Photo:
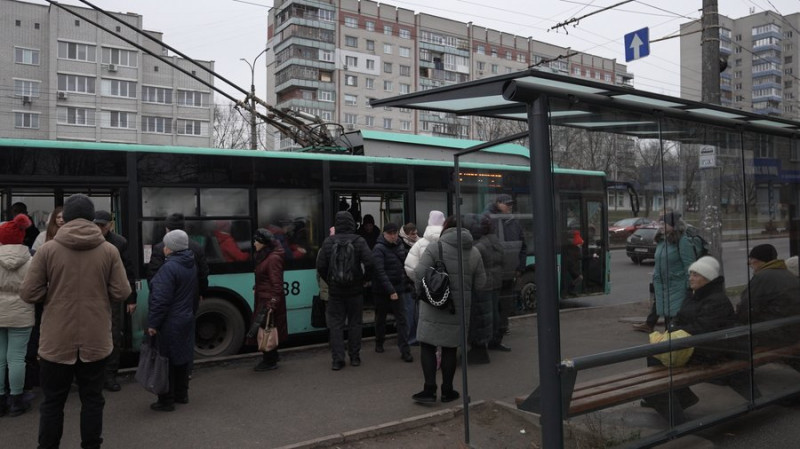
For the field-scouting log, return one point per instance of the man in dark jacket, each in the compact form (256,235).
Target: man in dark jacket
(105,222)
(174,222)
(389,288)
(171,316)
(32,231)
(75,275)
(773,293)
(345,300)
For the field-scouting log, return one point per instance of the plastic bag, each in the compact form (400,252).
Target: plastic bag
(153,370)
(676,358)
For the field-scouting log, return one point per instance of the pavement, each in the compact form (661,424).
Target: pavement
(304,404)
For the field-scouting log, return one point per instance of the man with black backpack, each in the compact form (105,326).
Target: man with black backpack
(345,264)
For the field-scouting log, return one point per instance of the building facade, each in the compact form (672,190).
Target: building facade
(67,79)
(331,57)
(760,51)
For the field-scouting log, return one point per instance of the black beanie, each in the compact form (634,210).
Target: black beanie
(78,206)
(764,253)
(175,221)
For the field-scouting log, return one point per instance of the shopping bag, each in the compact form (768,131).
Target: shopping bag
(153,370)
(318,312)
(676,358)
(268,336)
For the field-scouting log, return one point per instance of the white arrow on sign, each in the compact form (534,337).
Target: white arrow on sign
(636,43)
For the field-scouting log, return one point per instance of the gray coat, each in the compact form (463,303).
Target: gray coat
(440,327)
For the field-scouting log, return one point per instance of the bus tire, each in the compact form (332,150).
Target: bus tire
(219,329)
(527,292)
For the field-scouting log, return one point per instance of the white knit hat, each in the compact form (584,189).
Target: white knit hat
(435,218)
(706,266)
(791,265)
(176,240)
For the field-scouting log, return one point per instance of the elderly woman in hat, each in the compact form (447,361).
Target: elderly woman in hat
(269,258)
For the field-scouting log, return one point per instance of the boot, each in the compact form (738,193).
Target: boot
(3,405)
(268,362)
(426,396)
(478,355)
(17,405)
(448,394)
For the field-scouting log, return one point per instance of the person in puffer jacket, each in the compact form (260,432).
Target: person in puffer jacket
(16,316)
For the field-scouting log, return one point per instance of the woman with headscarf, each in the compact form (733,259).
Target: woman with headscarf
(674,254)
(269,289)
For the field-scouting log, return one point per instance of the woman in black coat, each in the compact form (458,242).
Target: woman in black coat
(171,316)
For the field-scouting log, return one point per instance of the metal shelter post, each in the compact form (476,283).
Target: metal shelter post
(544,238)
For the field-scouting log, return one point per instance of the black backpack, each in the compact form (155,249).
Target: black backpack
(342,263)
(435,285)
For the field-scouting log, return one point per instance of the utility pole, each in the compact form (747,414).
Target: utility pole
(253,129)
(710,178)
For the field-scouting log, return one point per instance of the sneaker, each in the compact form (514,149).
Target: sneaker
(355,361)
(424,397)
(162,407)
(337,365)
(643,327)
(450,395)
(265,366)
(407,357)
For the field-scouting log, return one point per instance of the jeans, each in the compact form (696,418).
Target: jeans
(398,307)
(343,311)
(412,312)
(13,346)
(56,380)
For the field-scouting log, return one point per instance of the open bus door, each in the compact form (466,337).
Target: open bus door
(584,254)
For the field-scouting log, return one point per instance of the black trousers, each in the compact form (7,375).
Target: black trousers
(56,380)
(428,360)
(398,307)
(341,312)
(178,384)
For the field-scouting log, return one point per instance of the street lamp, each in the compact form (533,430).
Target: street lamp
(253,133)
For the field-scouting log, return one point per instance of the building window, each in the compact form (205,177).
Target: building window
(119,88)
(189,127)
(351,62)
(494,68)
(76,83)
(369,121)
(424,54)
(405,52)
(351,22)
(160,125)
(77,52)
(326,56)
(387,30)
(192,98)
(26,56)
(370,45)
(351,119)
(481,50)
(351,41)
(369,83)
(387,49)
(351,100)
(26,120)
(405,70)
(405,125)
(350,80)
(387,123)
(325,95)
(387,67)
(508,55)
(370,64)
(369,25)
(521,58)
(76,116)
(608,77)
(405,88)
(576,71)
(18,22)
(387,85)
(152,94)
(119,119)
(481,65)
(325,15)
(494,52)
(27,88)
(118,56)
(405,33)
(306,94)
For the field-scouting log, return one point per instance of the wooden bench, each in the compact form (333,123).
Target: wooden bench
(601,393)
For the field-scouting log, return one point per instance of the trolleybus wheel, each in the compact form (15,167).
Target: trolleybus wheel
(527,292)
(219,328)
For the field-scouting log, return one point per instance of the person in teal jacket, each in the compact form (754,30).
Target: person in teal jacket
(674,254)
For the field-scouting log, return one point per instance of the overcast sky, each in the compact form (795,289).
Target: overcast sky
(226,30)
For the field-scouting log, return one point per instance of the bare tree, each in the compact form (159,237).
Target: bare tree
(231,128)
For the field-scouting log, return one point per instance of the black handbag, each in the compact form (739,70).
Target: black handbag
(153,370)
(318,306)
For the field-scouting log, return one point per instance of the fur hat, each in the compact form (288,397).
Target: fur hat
(435,218)
(78,206)
(505,199)
(390,227)
(791,265)
(706,266)
(175,221)
(13,232)
(176,240)
(764,252)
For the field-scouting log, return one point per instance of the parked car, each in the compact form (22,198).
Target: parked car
(641,244)
(622,229)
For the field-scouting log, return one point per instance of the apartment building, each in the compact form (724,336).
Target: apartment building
(332,56)
(760,51)
(66,79)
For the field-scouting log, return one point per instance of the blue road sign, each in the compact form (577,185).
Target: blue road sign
(637,44)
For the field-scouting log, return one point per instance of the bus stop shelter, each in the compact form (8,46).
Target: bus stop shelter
(734,171)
